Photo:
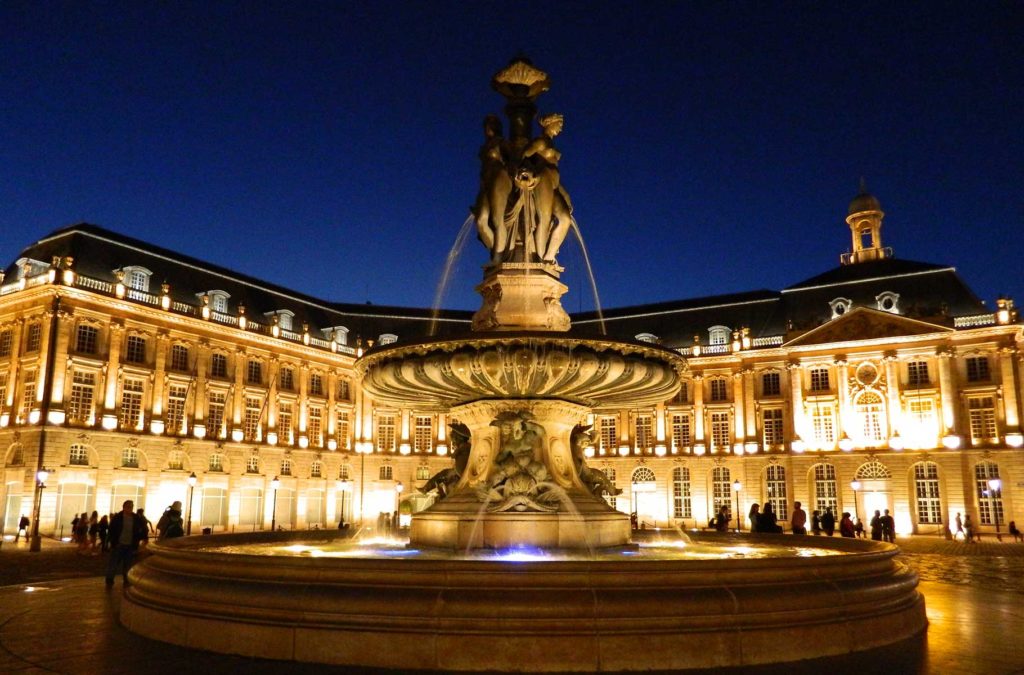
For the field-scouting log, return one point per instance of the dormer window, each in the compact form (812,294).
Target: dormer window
(888,302)
(387,339)
(719,335)
(27,267)
(285,318)
(338,334)
(218,300)
(136,277)
(647,337)
(840,306)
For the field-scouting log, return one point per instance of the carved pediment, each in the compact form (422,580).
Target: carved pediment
(864,323)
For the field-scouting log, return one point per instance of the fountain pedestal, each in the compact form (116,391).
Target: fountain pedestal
(521,296)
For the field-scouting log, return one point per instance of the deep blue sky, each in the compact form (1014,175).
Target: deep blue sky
(331,147)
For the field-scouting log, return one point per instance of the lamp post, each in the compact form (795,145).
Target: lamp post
(362,447)
(35,543)
(398,503)
(191,491)
(736,487)
(274,484)
(856,485)
(344,487)
(995,490)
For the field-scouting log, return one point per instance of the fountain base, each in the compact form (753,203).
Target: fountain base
(522,296)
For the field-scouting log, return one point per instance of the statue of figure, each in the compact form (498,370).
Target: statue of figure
(540,158)
(495,187)
(595,480)
(445,480)
(518,481)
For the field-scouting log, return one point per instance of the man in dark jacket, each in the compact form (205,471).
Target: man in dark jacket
(171,524)
(126,531)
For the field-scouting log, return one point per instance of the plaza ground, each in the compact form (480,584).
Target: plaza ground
(56,617)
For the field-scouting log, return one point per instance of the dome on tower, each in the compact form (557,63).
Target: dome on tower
(864,201)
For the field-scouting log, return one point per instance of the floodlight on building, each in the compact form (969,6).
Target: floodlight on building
(5,419)
(275,328)
(109,422)
(404,448)
(156,427)
(1015,439)
(334,346)
(56,417)
(623,450)
(751,447)
(204,311)
(242,321)
(896,442)
(845,443)
(589,451)
(305,334)
(33,416)
(344,485)
(332,444)
(199,430)
(951,441)
(165,296)
(699,449)
(271,438)
(442,449)
(119,287)
(303,441)
(798,445)
(237,435)
(660,450)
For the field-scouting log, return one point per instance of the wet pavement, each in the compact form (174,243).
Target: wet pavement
(57,617)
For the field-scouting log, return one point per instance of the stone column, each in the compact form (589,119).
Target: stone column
(698,409)
(800,429)
(275,367)
(238,395)
(843,396)
(749,403)
(113,368)
(1009,384)
(159,368)
(947,392)
(12,368)
(892,381)
(303,400)
(738,407)
(202,358)
(332,412)
(61,364)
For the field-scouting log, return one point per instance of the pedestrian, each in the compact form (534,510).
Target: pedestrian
(969,528)
(754,515)
(846,528)
(22,527)
(1017,536)
(171,524)
(141,513)
(876,526)
(858,529)
(816,523)
(103,528)
(394,522)
(82,533)
(798,522)
(127,531)
(74,528)
(828,522)
(767,522)
(722,519)
(959,528)
(94,529)
(888,528)
(633,524)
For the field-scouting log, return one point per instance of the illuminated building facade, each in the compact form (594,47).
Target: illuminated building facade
(126,369)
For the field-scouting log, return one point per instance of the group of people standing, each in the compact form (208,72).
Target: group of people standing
(387,523)
(129,531)
(763,520)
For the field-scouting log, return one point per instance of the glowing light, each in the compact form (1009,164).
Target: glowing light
(344,485)
(588,451)
(119,290)
(156,427)
(109,422)
(56,417)
(33,417)
(660,450)
(68,278)
(737,486)
(271,438)
(896,442)
(699,449)
(191,480)
(798,445)
(275,330)
(303,442)
(237,435)
(951,441)
(42,475)
(1015,439)
(623,450)
(5,419)
(442,449)
(751,448)
(846,443)
(332,444)
(199,431)
(404,448)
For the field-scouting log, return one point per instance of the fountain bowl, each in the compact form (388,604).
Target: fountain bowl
(448,612)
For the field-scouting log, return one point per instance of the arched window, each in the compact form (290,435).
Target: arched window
(871,411)
(176,460)
(990,504)
(839,307)
(16,455)
(719,335)
(825,492)
(873,470)
(681,507)
(78,455)
(888,302)
(130,458)
(721,488)
(344,471)
(216,462)
(926,493)
(643,475)
(775,490)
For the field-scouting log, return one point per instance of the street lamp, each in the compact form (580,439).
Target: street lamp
(35,544)
(736,487)
(856,485)
(363,448)
(344,486)
(398,502)
(995,490)
(191,491)
(274,484)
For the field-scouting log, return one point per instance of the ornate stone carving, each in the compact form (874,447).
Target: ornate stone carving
(518,480)
(593,479)
(446,479)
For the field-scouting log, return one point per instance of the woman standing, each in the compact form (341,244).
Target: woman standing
(754,515)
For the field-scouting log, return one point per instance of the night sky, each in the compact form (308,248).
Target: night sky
(331,147)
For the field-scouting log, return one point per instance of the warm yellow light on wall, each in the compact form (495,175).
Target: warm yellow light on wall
(237,435)
(442,449)
(156,427)
(303,442)
(951,441)
(332,444)
(271,438)
(199,431)
(660,450)
(109,422)
(1015,439)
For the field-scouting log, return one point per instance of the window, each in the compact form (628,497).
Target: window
(926,490)
(386,433)
(131,404)
(176,394)
(28,395)
(285,430)
(819,379)
(6,340)
(316,469)
(609,435)
(251,421)
(682,396)
(344,389)
(825,488)
(215,414)
(772,423)
(252,464)
(218,301)
(422,473)
(216,463)
(175,460)
(681,507)
(316,427)
(770,384)
(823,426)
(644,433)
(179,358)
(387,339)
(135,349)
(254,372)
(917,374)
(718,390)
(888,302)
(719,432)
(977,369)
(873,470)
(218,365)
(286,467)
(983,419)
(78,455)
(130,458)
(3,390)
(839,307)
(719,335)
(286,378)
(316,384)
(923,430)
(285,320)
(610,474)
(34,337)
(385,472)
(870,409)
(775,490)
(83,387)
(214,507)
(250,508)
(989,502)
(85,340)
(314,508)
(344,472)
(681,437)
(341,429)
(137,278)
(423,433)
(647,337)
(721,489)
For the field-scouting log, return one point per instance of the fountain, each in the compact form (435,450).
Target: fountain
(520,564)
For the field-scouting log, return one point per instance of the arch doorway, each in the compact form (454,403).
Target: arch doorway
(875,491)
(644,492)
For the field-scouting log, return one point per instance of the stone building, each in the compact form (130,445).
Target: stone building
(130,371)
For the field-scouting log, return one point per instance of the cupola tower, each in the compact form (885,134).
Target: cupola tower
(865,220)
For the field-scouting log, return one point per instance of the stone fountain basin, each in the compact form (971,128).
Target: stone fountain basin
(593,372)
(591,615)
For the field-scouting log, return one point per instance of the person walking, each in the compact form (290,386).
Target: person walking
(94,530)
(171,524)
(103,528)
(798,522)
(74,528)
(846,528)
(828,522)
(888,528)
(816,523)
(754,515)
(127,531)
(876,526)
(959,528)
(22,527)
(722,519)
(969,528)
(82,533)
